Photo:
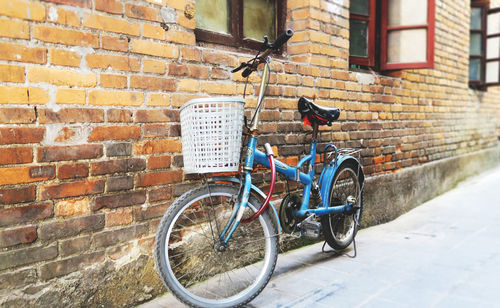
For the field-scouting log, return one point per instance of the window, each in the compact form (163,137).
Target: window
(382,30)
(239,23)
(484,48)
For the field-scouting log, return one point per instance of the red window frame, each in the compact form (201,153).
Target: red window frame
(484,14)
(370,59)
(486,60)
(236,37)
(430,26)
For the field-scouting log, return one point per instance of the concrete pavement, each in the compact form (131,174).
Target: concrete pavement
(444,253)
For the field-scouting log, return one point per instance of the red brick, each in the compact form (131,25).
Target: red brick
(159,162)
(16,236)
(160,194)
(118,166)
(70,227)
(118,183)
(18,175)
(119,218)
(157,115)
(73,171)
(157,146)
(152,83)
(159,178)
(120,200)
(75,152)
(150,211)
(72,207)
(65,36)
(30,213)
(155,130)
(109,6)
(21,135)
(114,62)
(80,3)
(115,133)
(17,115)
(119,115)
(16,155)
(71,115)
(17,195)
(72,189)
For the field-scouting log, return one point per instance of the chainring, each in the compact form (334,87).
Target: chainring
(289,204)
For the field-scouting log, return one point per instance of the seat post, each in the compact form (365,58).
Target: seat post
(315,127)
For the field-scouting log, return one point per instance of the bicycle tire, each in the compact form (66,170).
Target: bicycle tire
(205,257)
(345,183)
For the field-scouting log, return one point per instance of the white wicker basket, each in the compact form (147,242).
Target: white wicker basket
(211,134)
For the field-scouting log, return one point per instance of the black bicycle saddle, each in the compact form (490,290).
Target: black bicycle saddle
(321,115)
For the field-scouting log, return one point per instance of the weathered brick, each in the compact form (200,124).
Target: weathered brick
(109,6)
(159,178)
(157,115)
(80,3)
(13,279)
(71,115)
(152,83)
(118,166)
(72,246)
(64,17)
(23,10)
(28,255)
(72,207)
(142,12)
(113,237)
(16,236)
(17,195)
(107,98)
(75,152)
(118,183)
(73,171)
(23,95)
(119,217)
(65,266)
(113,81)
(111,24)
(70,227)
(220,59)
(17,115)
(160,194)
(157,146)
(155,130)
(61,77)
(114,43)
(181,37)
(23,214)
(119,115)
(120,200)
(118,149)
(151,211)
(64,57)
(153,66)
(158,99)
(11,73)
(100,133)
(154,49)
(65,36)
(16,155)
(70,97)
(114,62)
(18,175)
(159,162)
(72,189)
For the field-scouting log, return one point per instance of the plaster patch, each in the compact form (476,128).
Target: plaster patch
(364,78)
(53,14)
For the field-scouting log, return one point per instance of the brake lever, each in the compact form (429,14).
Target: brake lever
(242,65)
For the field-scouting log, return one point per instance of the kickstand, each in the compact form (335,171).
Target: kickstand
(340,252)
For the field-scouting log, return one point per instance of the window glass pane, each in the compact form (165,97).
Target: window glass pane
(475,18)
(476,43)
(360,7)
(407,46)
(492,72)
(493,48)
(258,19)
(475,69)
(493,23)
(212,15)
(358,38)
(407,12)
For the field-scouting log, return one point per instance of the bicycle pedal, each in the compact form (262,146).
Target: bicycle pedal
(311,229)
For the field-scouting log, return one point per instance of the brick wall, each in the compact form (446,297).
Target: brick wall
(90,151)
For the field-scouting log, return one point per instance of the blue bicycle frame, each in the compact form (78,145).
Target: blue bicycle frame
(255,156)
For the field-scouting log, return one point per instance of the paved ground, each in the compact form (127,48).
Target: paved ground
(445,253)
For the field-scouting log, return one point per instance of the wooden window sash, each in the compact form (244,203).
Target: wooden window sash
(370,59)
(430,27)
(484,14)
(489,84)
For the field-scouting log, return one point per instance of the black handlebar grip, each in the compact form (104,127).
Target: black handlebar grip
(282,39)
(246,72)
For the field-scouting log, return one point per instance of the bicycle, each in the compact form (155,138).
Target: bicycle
(217,244)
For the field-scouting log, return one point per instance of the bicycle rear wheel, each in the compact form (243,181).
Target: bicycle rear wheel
(340,229)
(189,257)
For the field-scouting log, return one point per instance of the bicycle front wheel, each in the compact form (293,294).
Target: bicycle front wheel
(193,264)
